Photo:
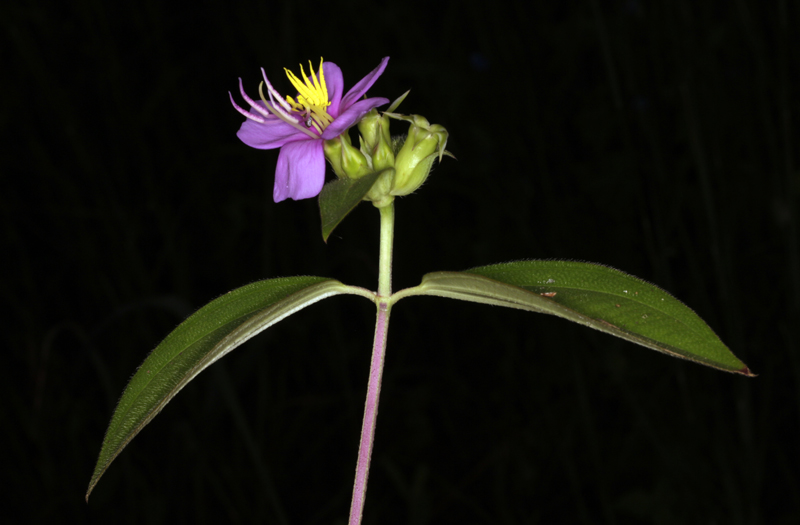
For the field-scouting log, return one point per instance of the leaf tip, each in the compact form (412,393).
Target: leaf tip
(326,232)
(92,485)
(746,372)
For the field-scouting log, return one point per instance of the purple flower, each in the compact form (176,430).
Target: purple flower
(299,127)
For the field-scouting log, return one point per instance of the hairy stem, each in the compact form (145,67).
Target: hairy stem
(370,415)
(376,366)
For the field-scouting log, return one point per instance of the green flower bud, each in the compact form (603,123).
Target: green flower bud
(425,142)
(376,141)
(372,127)
(333,152)
(380,194)
(347,161)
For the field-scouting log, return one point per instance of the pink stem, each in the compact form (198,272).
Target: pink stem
(370,414)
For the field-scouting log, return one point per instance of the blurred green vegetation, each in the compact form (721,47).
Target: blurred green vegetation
(657,137)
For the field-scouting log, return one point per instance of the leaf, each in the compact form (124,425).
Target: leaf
(207,335)
(596,296)
(338,198)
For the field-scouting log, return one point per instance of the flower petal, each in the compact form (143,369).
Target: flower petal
(353,115)
(273,133)
(357,91)
(334,81)
(301,171)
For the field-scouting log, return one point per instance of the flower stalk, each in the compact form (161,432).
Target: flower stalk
(385,260)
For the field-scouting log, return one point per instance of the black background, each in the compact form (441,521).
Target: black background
(657,137)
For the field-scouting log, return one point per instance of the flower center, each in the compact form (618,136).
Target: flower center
(312,98)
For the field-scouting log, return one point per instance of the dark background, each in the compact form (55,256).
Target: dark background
(657,137)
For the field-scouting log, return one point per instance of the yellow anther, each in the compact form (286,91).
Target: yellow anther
(312,93)
(312,97)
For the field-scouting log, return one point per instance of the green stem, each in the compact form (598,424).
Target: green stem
(383,301)
(385,263)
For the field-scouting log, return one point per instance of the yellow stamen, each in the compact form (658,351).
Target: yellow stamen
(312,97)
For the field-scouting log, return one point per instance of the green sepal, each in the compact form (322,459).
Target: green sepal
(595,296)
(205,336)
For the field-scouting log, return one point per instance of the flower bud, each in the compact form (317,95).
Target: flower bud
(333,153)
(346,161)
(413,162)
(372,127)
(376,141)
(380,194)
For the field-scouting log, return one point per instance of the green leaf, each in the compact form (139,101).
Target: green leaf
(207,335)
(338,198)
(596,296)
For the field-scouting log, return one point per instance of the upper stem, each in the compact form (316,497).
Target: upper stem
(385,262)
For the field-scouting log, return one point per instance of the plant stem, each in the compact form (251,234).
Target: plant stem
(385,262)
(376,366)
(370,415)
